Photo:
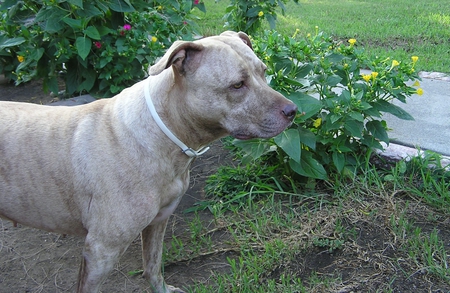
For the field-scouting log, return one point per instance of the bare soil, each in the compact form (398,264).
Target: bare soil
(36,261)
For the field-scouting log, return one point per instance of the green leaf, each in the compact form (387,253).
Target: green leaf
(345,96)
(335,58)
(378,130)
(308,167)
(11,42)
(8,3)
(333,80)
(338,160)
(306,104)
(52,19)
(75,24)
(92,32)
(201,7)
(51,84)
(91,10)
(255,148)
(289,141)
(371,142)
(37,54)
(395,110)
(307,137)
(333,118)
(83,45)
(354,127)
(303,70)
(252,12)
(78,3)
(103,30)
(357,116)
(121,6)
(89,77)
(272,21)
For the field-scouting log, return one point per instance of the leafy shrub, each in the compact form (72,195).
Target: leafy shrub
(100,47)
(340,105)
(247,16)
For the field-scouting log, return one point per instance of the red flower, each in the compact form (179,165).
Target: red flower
(98,44)
(196,2)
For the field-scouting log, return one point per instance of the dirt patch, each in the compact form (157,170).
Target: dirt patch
(369,261)
(31,92)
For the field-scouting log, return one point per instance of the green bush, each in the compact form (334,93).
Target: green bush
(100,47)
(247,16)
(340,105)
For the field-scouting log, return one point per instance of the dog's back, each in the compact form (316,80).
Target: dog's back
(36,172)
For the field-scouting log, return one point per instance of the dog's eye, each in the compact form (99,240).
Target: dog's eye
(238,85)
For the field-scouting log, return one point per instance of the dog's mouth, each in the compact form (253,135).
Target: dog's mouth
(242,136)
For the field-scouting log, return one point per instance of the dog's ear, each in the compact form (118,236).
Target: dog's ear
(243,36)
(180,55)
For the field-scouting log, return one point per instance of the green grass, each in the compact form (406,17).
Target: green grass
(395,28)
(382,229)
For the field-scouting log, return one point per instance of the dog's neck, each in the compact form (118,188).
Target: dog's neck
(174,111)
(184,148)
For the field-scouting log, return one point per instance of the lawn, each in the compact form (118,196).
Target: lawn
(396,28)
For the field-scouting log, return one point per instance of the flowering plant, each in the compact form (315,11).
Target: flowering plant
(341,95)
(98,47)
(247,16)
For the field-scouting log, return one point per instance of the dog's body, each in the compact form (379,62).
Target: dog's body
(106,171)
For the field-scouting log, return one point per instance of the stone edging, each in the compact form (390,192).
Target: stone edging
(435,75)
(399,152)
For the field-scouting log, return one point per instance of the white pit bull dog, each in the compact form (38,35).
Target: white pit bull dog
(118,167)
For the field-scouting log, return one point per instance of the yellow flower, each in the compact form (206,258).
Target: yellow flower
(352,42)
(419,91)
(414,59)
(20,58)
(260,13)
(154,39)
(416,83)
(296,32)
(317,122)
(159,7)
(374,74)
(366,77)
(395,63)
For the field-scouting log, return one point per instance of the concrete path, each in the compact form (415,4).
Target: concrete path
(431,128)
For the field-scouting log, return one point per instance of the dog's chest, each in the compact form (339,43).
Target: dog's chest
(171,193)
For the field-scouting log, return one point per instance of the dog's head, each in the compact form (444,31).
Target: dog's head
(226,86)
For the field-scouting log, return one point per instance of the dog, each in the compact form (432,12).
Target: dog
(117,167)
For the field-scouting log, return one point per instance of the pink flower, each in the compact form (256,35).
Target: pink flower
(127,27)
(196,2)
(185,22)
(98,44)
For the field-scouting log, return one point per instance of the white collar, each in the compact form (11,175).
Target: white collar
(187,150)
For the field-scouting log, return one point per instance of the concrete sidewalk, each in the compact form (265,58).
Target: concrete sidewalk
(431,128)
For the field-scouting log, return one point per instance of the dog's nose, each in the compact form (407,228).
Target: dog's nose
(289,111)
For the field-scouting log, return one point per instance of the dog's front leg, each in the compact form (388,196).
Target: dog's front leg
(98,261)
(152,247)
